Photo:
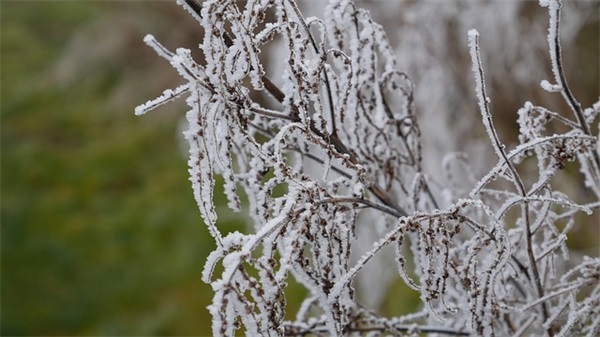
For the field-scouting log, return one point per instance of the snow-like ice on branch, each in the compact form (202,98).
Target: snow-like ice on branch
(332,147)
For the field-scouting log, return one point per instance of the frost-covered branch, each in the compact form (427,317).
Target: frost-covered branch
(326,156)
(484,102)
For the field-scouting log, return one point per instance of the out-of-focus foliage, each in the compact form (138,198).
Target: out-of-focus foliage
(97,239)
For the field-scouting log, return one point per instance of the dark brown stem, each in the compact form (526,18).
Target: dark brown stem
(290,330)
(366,202)
(516,179)
(561,80)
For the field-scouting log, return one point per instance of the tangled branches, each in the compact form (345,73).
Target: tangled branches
(340,138)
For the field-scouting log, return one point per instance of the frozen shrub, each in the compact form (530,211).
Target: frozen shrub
(333,146)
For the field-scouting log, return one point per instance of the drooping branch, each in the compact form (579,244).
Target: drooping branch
(334,184)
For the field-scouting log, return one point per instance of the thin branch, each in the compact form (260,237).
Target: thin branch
(318,52)
(554,8)
(384,208)
(291,330)
(267,83)
(484,102)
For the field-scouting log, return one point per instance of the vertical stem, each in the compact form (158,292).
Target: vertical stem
(554,8)
(484,106)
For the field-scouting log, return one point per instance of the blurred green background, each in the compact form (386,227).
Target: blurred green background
(100,232)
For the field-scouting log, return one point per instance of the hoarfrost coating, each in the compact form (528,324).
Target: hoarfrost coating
(329,156)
